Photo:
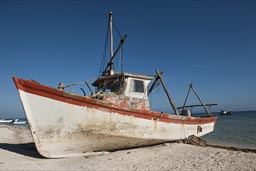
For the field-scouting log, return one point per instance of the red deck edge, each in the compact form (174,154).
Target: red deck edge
(53,93)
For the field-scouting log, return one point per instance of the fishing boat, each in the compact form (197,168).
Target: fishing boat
(116,116)
(225,112)
(19,121)
(6,120)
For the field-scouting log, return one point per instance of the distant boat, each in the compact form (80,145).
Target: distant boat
(6,120)
(225,112)
(19,121)
(116,116)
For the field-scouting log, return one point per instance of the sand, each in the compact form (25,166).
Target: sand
(17,152)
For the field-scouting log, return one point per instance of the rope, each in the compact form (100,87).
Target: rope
(140,100)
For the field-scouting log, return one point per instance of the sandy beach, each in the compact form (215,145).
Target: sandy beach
(17,152)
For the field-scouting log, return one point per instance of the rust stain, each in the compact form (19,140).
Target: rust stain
(155,125)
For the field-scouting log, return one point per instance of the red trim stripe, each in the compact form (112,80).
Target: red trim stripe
(53,93)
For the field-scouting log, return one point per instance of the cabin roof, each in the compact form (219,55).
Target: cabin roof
(101,79)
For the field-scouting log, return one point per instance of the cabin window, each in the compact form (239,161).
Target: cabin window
(138,86)
(116,86)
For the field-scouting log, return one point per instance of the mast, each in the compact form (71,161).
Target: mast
(110,64)
(111,72)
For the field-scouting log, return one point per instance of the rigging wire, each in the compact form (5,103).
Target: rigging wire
(120,64)
(120,35)
(103,60)
(122,59)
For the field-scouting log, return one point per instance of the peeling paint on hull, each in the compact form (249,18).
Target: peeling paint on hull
(70,126)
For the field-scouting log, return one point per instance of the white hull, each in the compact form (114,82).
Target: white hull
(62,129)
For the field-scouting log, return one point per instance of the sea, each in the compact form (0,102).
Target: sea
(236,130)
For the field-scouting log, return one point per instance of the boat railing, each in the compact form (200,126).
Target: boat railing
(62,86)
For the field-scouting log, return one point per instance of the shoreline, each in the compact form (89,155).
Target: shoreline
(246,150)
(18,152)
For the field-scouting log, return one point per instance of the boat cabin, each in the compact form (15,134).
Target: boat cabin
(124,90)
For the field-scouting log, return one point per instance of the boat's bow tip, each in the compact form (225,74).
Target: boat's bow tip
(15,79)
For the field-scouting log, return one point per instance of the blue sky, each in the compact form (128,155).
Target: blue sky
(209,43)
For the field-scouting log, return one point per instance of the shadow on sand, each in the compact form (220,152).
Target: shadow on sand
(27,149)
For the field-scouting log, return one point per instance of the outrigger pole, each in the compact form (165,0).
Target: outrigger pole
(159,77)
(202,104)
